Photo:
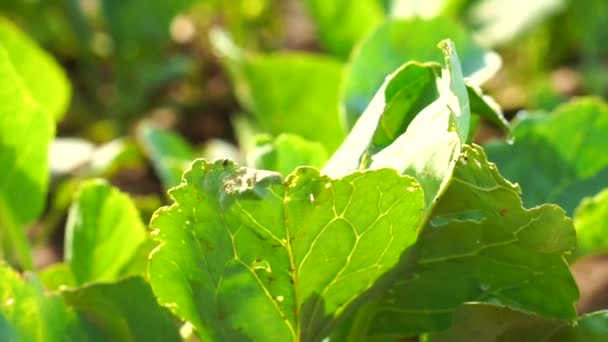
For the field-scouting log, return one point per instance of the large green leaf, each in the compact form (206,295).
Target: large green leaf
(342,23)
(170,153)
(558,158)
(286,152)
(103,234)
(26,130)
(240,247)
(123,311)
(27,314)
(483,322)
(480,246)
(398,41)
(591,222)
(41,75)
(288,92)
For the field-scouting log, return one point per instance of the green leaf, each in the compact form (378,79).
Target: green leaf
(558,158)
(27,314)
(104,232)
(294,93)
(169,152)
(398,41)
(591,222)
(410,98)
(26,130)
(286,152)
(123,311)
(342,23)
(42,76)
(240,247)
(482,322)
(480,246)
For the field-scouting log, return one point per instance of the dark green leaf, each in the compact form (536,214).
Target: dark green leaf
(288,92)
(558,158)
(240,247)
(480,246)
(482,322)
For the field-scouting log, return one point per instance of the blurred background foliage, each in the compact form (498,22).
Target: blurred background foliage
(155,84)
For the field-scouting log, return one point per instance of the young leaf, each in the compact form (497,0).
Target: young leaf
(446,118)
(286,152)
(288,92)
(169,152)
(103,233)
(41,75)
(558,158)
(123,311)
(240,247)
(479,227)
(591,222)
(398,41)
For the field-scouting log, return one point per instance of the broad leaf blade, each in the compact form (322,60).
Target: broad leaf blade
(41,75)
(479,227)
(103,233)
(239,247)
(558,158)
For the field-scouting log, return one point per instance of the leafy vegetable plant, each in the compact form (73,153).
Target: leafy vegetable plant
(403,228)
